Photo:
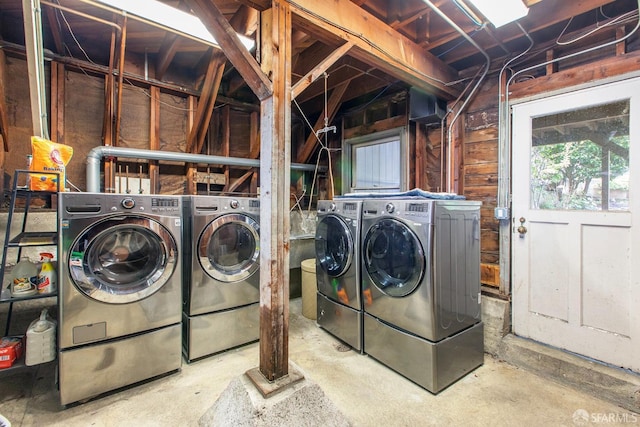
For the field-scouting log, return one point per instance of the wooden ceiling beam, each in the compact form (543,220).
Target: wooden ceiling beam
(55,31)
(170,46)
(232,47)
(540,16)
(377,44)
(320,69)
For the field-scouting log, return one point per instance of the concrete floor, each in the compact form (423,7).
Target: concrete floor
(365,391)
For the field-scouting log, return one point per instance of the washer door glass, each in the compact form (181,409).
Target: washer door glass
(393,257)
(123,259)
(334,245)
(229,248)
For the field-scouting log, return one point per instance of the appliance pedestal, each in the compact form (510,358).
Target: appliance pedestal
(432,365)
(91,370)
(211,333)
(345,323)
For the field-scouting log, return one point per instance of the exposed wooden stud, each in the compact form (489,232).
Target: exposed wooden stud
(154,139)
(57,102)
(4,124)
(254,136)
(621,47)
(420,157)
(118,110)
(552,67)
(226,142)
(191,168)
(109,115)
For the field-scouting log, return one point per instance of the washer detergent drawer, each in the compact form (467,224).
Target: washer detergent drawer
(88,371)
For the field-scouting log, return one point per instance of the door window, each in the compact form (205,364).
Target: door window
(229,248)
(580,159)
(393,257)
(334,246)
(123,260)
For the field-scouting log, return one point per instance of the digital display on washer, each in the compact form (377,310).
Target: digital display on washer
(350,207)
(254,203)
(418,207)
(164,203)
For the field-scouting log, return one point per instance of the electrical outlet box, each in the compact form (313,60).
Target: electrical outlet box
(501,213)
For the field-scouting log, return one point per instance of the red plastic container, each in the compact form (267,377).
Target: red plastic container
(11,349)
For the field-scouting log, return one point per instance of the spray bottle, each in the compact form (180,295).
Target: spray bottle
(47,279)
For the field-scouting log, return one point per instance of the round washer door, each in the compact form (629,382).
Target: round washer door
(229,248)
(393,257)
(123,259)
(334,245)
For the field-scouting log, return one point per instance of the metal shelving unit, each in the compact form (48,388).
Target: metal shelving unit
(24,238)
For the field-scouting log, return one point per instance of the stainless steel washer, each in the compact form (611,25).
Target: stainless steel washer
(120,291)
(339,303)
(222,275)
(421,268)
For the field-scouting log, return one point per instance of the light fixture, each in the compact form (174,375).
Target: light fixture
(502,12)
(157,13)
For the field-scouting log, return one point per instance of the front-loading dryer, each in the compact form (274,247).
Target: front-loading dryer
(421,266)
(222,274)
(119,291)
(337,240)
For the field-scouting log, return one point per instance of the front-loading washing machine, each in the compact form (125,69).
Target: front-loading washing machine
(337,240)
(119,291)
(421,266)
(222,274)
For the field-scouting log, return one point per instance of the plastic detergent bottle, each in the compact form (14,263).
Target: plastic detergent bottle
(47,279)
(41,341)
(22,275)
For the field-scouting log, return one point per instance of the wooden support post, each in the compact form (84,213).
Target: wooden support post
(275,164)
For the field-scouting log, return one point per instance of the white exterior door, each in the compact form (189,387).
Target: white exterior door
(576,222)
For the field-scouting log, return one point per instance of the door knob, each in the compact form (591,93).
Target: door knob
(522,229)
